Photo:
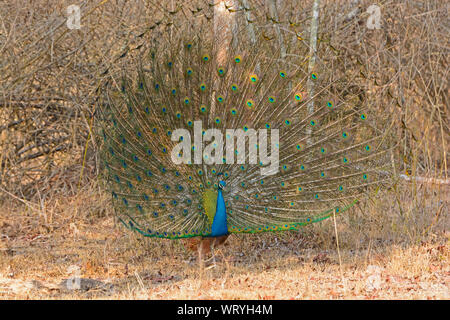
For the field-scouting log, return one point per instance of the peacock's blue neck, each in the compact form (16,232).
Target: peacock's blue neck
(219,225)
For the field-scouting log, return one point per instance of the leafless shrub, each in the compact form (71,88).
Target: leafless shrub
(49,74)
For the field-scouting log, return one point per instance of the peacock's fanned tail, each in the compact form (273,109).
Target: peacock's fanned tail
(331,153)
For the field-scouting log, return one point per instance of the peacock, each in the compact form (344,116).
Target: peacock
(212,128)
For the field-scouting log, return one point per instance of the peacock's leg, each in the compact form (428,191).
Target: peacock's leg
(200,261)
(227,268)
(213,254)
(213,257)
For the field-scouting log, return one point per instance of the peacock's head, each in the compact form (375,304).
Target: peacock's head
(221,183)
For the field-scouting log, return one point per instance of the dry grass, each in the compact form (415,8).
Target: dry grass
(385,255)
(394,247)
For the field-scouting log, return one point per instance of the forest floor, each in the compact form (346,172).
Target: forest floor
(63,250)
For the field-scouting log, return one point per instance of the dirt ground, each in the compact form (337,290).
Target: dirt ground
(71,248)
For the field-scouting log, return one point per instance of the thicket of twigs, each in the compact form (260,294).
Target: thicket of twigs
(49,75)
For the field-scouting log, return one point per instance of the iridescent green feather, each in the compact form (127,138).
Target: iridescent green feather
(331,156)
